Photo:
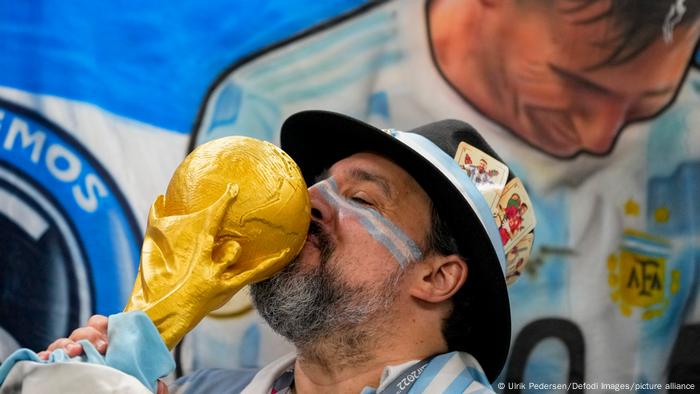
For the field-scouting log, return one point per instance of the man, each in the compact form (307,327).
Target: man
(400,284)
(551,84)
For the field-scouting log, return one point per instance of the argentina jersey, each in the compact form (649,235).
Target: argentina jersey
(336,63)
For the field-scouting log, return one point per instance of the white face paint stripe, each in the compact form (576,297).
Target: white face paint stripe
(406,245)
(390,236)
(400,245)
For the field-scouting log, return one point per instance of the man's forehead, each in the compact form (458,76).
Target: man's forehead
(367,163)
(375,168)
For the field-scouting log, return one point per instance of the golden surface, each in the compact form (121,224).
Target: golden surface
(235,212)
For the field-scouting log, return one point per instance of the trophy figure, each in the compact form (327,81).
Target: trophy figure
(236,211)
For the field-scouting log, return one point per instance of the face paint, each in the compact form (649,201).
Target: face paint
(400,245)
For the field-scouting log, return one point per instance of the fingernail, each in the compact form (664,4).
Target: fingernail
(71,347)
(100,345)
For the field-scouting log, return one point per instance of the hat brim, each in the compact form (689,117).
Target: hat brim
(318,139)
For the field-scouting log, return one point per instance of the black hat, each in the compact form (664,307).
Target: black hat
(318,139)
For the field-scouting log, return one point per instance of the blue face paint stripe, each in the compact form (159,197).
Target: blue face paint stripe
(335,200)
(372,229)
(402,247)
(384,240)
(410,248)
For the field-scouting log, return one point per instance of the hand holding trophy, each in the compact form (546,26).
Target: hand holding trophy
(235,212)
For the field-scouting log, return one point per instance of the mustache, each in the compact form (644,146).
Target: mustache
(324,241)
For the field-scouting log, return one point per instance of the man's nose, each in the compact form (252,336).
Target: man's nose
(603,125)
(321,210)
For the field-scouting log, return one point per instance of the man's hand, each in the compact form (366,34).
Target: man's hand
(162,388)
(95,331)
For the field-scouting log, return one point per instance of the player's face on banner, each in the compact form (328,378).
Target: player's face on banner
(559,91)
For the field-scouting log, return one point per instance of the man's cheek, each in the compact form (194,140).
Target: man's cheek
(308,257)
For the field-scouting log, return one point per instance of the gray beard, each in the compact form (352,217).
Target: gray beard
(321,314)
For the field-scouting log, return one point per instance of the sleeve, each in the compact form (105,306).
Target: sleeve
(136,349)
(213,381)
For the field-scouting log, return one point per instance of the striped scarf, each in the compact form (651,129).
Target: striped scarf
(449,373)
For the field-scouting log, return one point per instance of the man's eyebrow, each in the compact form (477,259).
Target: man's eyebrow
(325,174)
(363,175)
(583,81)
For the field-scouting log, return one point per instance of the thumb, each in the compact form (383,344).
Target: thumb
(162,388)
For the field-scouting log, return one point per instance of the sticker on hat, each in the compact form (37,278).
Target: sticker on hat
(517,257)
(509,203)
(516,222)
(488,174)
(514,215)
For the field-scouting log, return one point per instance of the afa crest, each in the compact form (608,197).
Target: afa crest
(638,275)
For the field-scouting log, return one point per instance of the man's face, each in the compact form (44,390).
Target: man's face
(370,220)
(548,85)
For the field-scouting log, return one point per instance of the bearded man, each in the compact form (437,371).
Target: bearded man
(400,284)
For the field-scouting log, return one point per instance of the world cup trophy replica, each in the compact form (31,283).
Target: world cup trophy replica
(236,211)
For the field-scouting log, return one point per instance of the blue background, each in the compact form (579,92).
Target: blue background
(101,48)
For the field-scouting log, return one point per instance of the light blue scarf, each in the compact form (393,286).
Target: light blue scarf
(448,373)
(135,348)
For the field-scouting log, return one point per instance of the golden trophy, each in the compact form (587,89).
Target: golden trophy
(235,212)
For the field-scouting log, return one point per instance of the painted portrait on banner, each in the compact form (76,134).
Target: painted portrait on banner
(595,104)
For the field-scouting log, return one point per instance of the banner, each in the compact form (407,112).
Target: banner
(595,106)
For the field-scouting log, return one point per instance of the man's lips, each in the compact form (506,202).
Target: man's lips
(313,236)
(312,240)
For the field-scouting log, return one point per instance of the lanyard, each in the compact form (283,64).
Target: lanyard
(403,383)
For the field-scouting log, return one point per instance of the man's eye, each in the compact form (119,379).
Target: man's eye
(360,200)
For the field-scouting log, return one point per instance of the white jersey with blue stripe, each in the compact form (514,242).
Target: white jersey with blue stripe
(599,218)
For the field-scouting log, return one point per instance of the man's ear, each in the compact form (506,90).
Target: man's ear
(439,277)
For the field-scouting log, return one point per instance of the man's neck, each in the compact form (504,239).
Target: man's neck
(331,369)
(314,378)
